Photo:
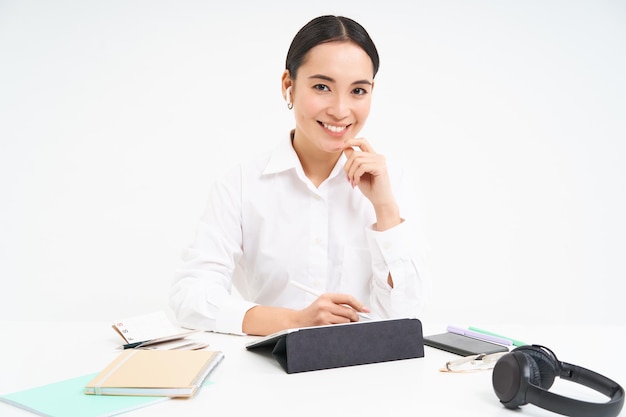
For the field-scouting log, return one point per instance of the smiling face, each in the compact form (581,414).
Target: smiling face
(331,96)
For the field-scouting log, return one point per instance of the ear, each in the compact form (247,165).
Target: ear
(286,82)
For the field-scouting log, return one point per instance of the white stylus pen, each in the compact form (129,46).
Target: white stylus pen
(317,294)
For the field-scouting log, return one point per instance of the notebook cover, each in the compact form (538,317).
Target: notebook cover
(174,373)
(66,398)
(324,347)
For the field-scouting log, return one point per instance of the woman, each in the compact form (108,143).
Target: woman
(323,209)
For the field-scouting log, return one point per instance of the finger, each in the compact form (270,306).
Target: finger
(359,167)
(355,158)
(348,301)
(361,143)
(348,150)
(341,313)
(342,320)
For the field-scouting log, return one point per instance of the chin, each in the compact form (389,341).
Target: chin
(335,147)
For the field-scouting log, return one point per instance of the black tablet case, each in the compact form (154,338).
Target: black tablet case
(324,347)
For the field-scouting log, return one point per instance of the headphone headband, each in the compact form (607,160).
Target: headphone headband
(577,408)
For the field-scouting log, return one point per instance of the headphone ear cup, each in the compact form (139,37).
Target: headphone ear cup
(508,380)
(544,367)
(511,376)
(533,368)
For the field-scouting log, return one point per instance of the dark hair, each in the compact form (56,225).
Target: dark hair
(324,29)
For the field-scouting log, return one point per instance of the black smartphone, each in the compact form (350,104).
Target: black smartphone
(462,345)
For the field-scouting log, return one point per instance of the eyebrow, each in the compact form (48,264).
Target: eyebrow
(329,79)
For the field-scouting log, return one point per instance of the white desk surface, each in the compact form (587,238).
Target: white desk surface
(249,383)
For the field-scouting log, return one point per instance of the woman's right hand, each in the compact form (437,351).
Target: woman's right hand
(331,308)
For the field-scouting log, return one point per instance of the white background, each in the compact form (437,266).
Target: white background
(115,116)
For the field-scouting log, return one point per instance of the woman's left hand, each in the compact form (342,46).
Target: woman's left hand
(368,170)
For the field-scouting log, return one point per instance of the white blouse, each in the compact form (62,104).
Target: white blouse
(265,223)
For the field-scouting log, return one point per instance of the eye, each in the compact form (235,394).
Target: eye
(321,87)
(359,91)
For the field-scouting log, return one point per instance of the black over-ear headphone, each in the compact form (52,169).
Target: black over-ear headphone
(525,374)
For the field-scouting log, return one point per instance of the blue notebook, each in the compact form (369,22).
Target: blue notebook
(67,399)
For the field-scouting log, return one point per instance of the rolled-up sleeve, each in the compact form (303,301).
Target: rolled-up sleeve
(396,252)
(200,295)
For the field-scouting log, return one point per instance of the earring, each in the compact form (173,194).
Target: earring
(288,98)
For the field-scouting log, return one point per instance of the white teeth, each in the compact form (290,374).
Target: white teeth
(335,129)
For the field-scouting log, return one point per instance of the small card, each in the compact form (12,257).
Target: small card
(153,330)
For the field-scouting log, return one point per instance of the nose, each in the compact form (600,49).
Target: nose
(339,107)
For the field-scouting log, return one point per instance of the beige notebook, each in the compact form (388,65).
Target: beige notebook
(169,373)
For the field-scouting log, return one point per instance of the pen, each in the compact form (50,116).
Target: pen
(134,345)
(480,336)
(514,341)
(317,294)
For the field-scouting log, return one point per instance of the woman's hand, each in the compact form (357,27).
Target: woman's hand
(331,308)
(327,309)
(368,170)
